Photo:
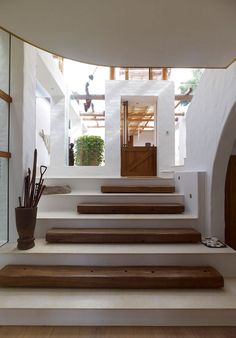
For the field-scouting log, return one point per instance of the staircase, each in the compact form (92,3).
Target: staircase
(123,239)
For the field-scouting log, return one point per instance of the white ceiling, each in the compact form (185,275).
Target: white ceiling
(174,33)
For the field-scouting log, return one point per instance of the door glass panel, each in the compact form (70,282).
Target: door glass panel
(4,132)
(4,61)
(3,200)
(3,125)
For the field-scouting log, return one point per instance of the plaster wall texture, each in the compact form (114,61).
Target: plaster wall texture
(58,139)
(53,82)
(43,110)
(180,141)
(75,123)
(211,132)
(29,105)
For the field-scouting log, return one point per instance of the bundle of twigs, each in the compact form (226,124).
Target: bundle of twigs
(32,190)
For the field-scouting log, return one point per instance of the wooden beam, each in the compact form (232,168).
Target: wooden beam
(112,73)
(164,73)
(4,96)
(126,73)
(140,120)
(5,154)
(99,126)
(93,119)
(133,114)
(150,73)
(92,114)
(87,97)
(141,127)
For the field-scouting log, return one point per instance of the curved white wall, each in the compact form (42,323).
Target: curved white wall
(211,131)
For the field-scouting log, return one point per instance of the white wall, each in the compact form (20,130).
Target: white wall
(43,111)
(180,141)
(22,119)
(166,128)
(53,82)
(211,132)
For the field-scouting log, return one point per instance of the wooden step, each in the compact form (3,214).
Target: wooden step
(137,208)
(163,277)
(136,189)
(123,235)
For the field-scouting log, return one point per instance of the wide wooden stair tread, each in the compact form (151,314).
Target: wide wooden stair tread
(137,189)
(130,208)
(163,277)
(123,235)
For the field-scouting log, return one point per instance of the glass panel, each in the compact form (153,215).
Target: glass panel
(4,61)
(3,200)
(3,125)
(138,121)
(138,74)
(4,114)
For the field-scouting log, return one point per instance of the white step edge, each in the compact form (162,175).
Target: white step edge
(224,260)
(42,247)
(74,215)
(97,193)
(130,178)
(119,307)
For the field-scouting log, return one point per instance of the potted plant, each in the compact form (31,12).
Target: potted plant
(89,150)
(26,213)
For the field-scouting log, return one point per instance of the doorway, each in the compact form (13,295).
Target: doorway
(230,203)
(138,136)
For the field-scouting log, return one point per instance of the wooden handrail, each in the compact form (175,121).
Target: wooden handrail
(5,96)
(5,154)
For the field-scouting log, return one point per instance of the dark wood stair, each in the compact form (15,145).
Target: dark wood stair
(137,189)
(129,208)
(123,235)
(164,277)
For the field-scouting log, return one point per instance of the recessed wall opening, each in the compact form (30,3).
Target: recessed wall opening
(138,136)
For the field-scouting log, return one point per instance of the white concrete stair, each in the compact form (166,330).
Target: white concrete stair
(60,210)
(121,255)
(119,307)
(69,202)
(127,307)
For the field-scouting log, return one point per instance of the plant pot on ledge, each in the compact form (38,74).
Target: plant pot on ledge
(26,213)
(25,225)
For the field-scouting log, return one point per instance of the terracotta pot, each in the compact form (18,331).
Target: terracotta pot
(25,225)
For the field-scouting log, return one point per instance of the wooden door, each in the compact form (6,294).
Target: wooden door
(138,161)
(230,203)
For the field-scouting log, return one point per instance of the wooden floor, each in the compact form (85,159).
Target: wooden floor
(117,332)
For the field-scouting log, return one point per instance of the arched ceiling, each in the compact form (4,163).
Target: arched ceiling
(154,33)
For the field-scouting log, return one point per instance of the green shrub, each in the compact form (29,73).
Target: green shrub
(89,150)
